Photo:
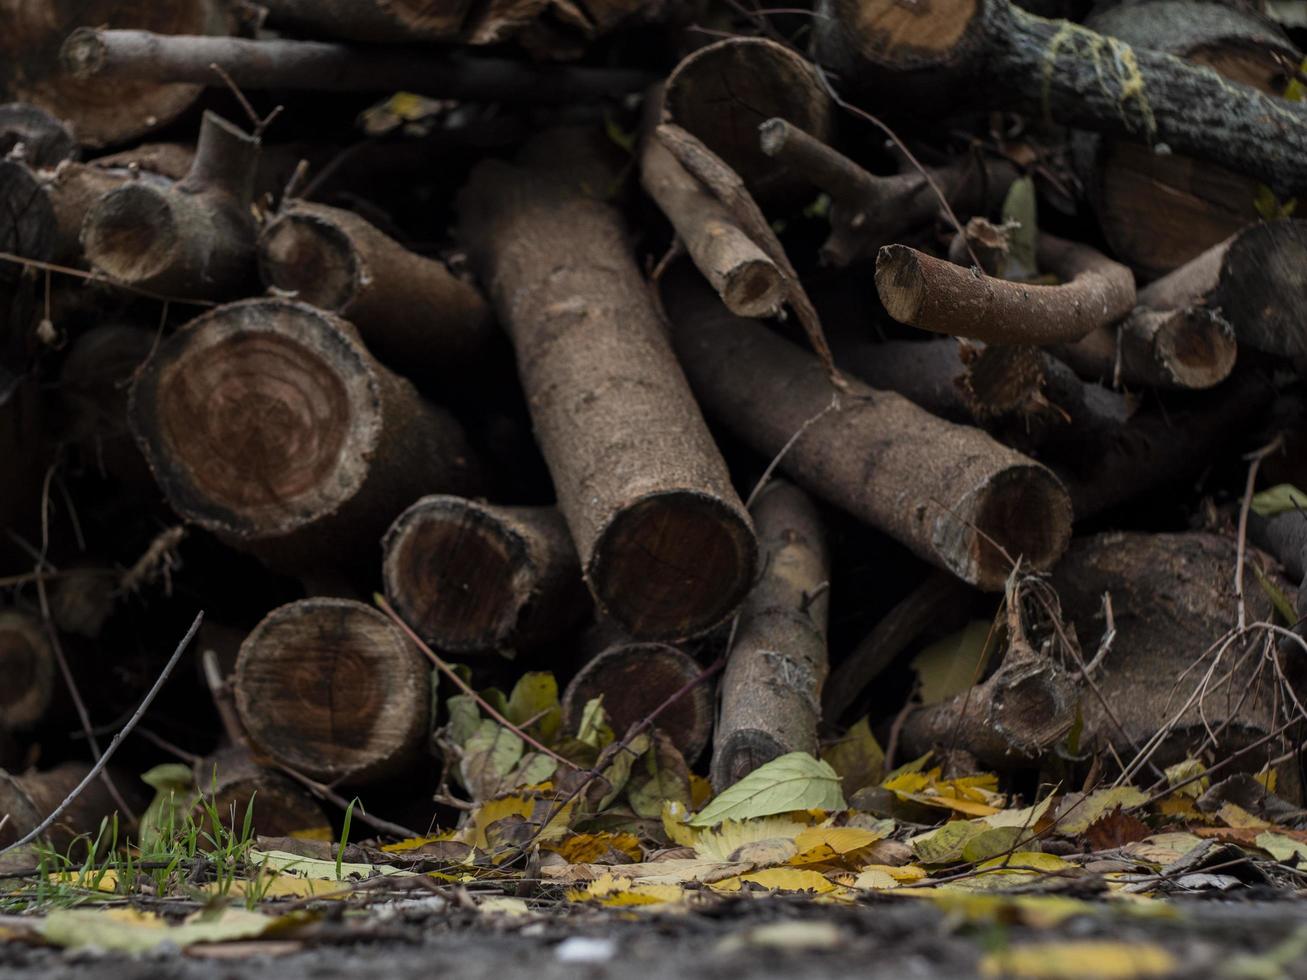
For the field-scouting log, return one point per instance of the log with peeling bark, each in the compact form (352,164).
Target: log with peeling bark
(952,494)
(771,690)
(1158,211)
(28,798)
(932,294)
(270,424)
(1191,347)
(665,544)
(633,679)
(108,58)
(868,211)
(411,311)
(34,136)
(1256,280)
(471,577)
(723,92)
(98,114)
(745,277)
(27,663)
(992,54)
(230,780)
(334,690)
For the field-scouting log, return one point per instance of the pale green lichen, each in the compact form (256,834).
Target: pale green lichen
(1116,71)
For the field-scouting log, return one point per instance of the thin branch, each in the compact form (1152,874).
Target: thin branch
(1256,460)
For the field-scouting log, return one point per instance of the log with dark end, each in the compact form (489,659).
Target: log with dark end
(474,577)
(868,211)
(1190,348)
(268,423)
(411,311)
(1256,279)
(27,219)
(635,678)
(230,779)
(193,239)
(665,544)
(724,91)
(28,798)
(771,691)
(334,690)
(30,672)
(34,136)
(933,294)
(30,70)
(952,494)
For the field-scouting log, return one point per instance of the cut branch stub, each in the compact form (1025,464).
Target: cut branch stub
(998,55)
(1192,347)
(948,492)
(869,211)
(1256,279)
(230,779)
(723,92)
(472,577)
(44,140)
(28,666)
(194,238)
(771,691)
(1158,211)
(635,678)
(268,423)
(30,70)
(666,546)
(936,295)
(333,689)
(411,311)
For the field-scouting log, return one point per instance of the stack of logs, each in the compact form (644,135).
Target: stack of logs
(622,348)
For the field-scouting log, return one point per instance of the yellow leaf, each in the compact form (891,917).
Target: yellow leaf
(1079,811)
(1282,848)
(875,878)
(676,826)
(314,833)
(1187,770)
(723,841)
(1087,959)
(779,879)
(614,891)
(700,791)
(1236,816)
(840,840)
(1163,848)
(588,848)
(130,931)
(1027,861)
(414,843)
(93,880)
(969,807)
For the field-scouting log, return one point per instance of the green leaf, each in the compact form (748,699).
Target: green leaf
(1278,499)
(535,696)
(464,718)
(488,757)
(993,842)
(1282,848)
(534,768)
(1020,211)
(614,767)
(955,663)
(594,729)
(174,789)
(944,846)
(857,757)
(796,781)
(659,775)
(130,931)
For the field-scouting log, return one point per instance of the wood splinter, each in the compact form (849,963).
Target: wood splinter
(933,294)
(771,691)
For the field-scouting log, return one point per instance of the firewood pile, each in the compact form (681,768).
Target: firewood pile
(728,379)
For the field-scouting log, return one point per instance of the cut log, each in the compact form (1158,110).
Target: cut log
(933,294)
(108,58)
(268,423)
(34,136)
(1192,347)
(635,678)
(31,674)
(1285,536)
(950,493)
(723,92)
(411,311)
(747,280)
(472,577)
(992,54)
(333,689)
(27,219)
(869,211)
(230,778)
(193,239)
(29,798)
(99,114)
(1171,601)
(1158,211)
(1256,280)
(666,546)
(771,691)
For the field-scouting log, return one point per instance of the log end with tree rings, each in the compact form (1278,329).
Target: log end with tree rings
(259,417)
(723,92)
(673,564)
(891,35)
(133,233)
(306,253)
(472,577)
(633,679)
(1192,348)
(28,667)
(31,69)
(333,689)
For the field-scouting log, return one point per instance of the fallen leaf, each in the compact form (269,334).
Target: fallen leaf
(589,848)
(614,891)
(796,781)
(953,664)
(721,842)
(1080,960)
(1283,848)
(857,758)
(1278,499)
(488,757)
(1115,829)
(535,700)
(779,879)
(660,774)
(1078,810)
(130,931)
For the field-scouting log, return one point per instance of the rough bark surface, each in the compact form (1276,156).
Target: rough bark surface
(30,797)
(665,544)
(1192,347)
(27,664)
(948,492)
(230,779)
(28,226)
(474,577)
(333,689)
(34,136)
(268,423)
(771,691)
